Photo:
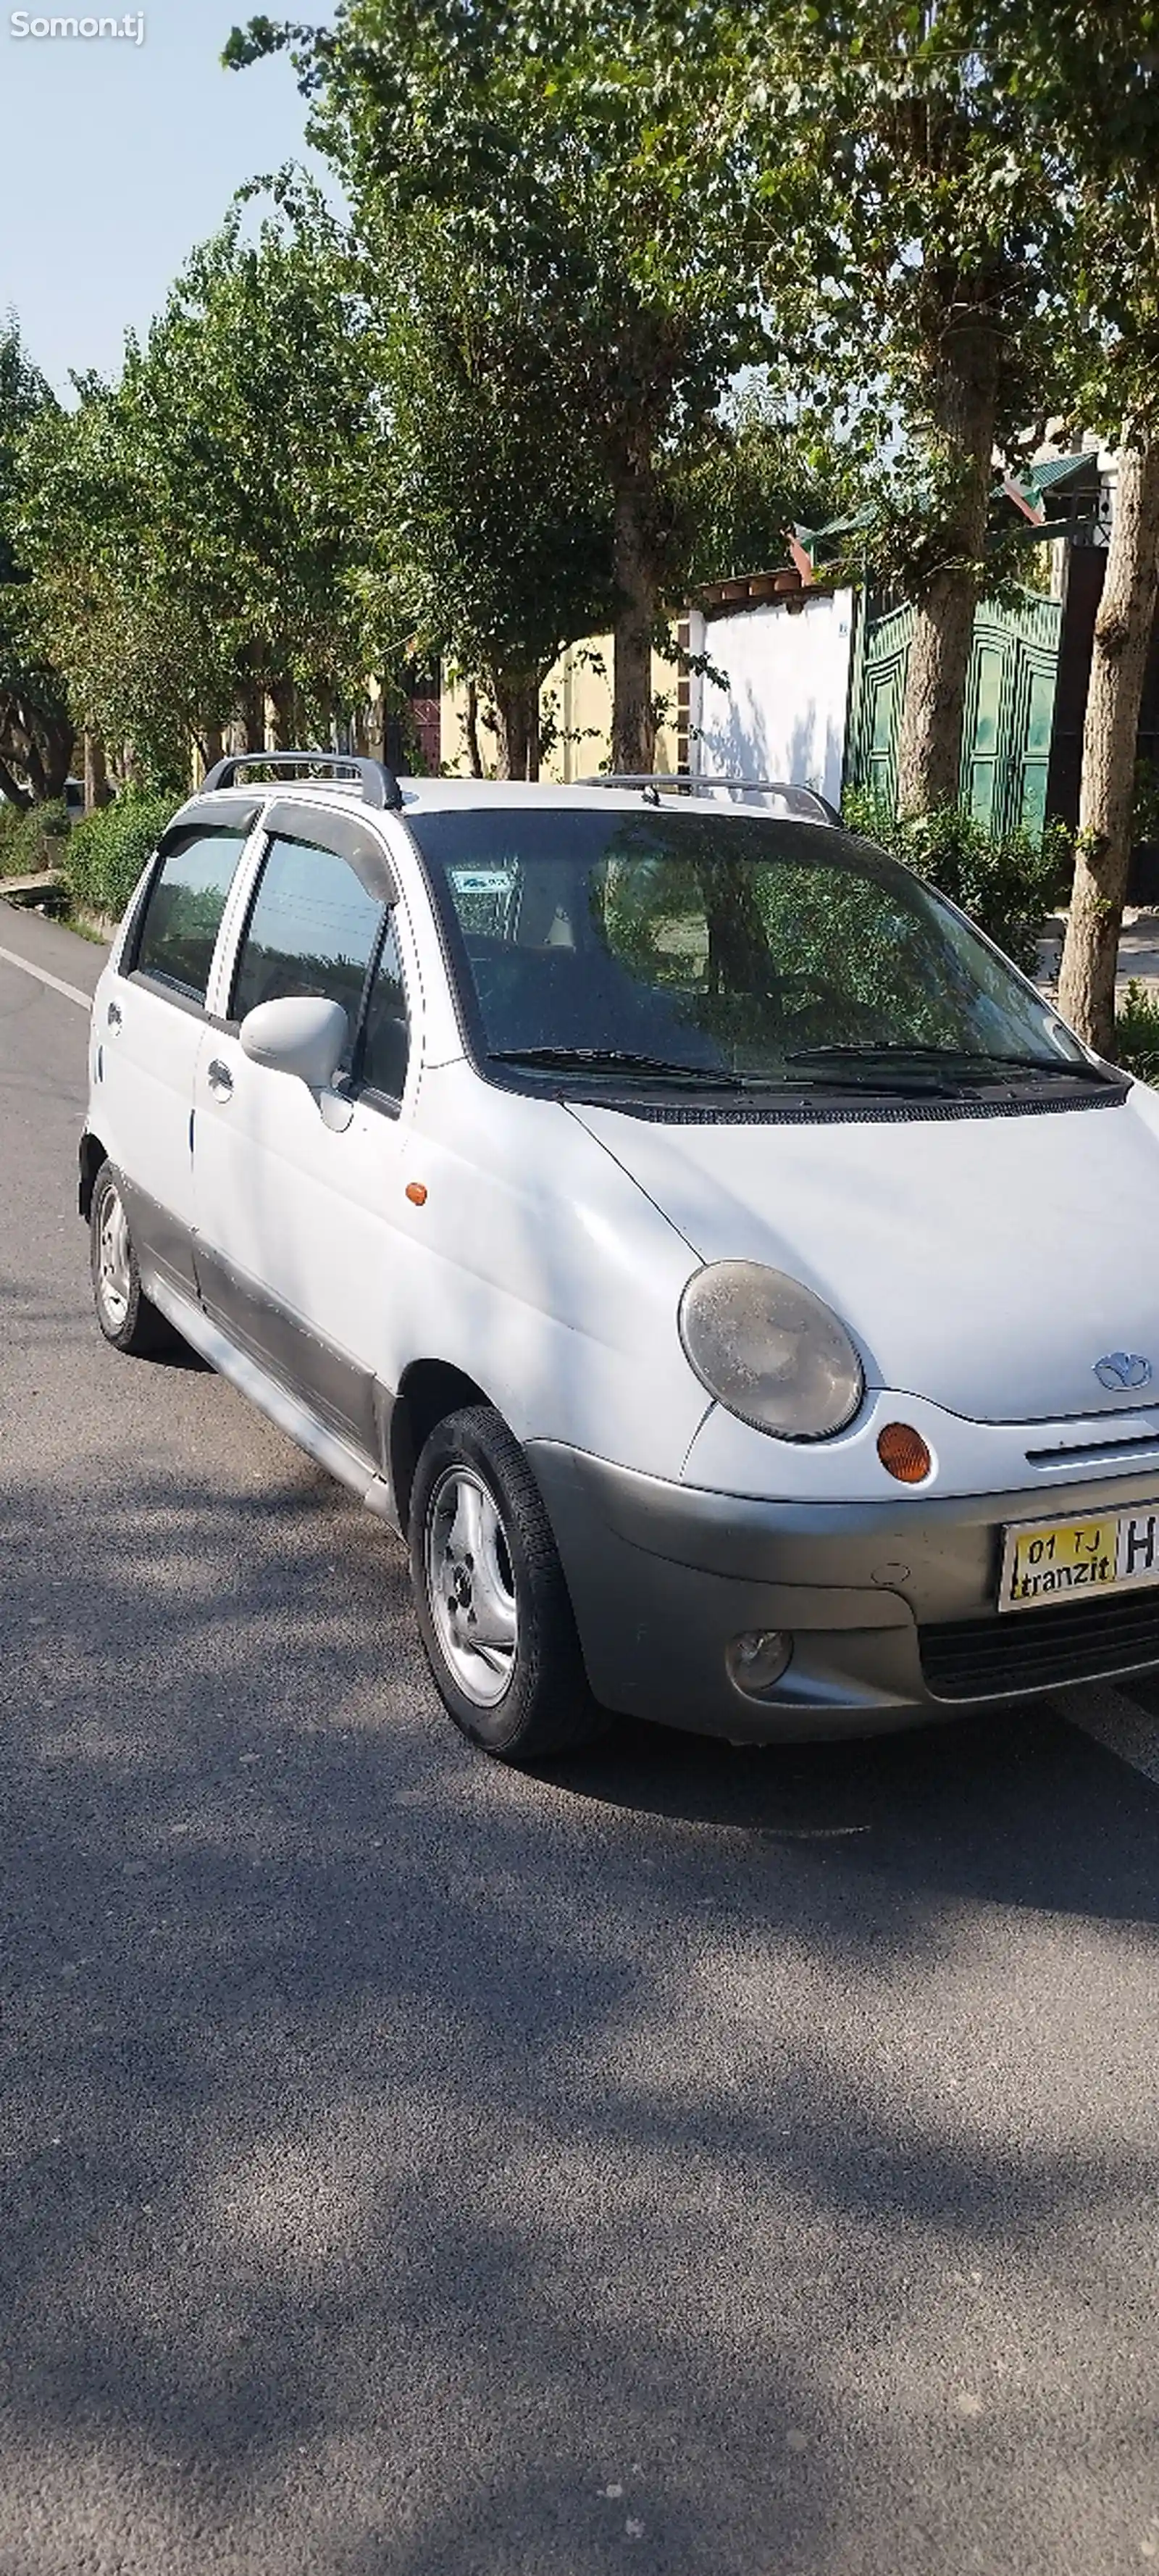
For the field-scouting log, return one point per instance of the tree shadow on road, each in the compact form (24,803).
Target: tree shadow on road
(416,2169)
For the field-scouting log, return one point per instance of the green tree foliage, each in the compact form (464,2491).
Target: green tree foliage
(146,666)
(761,478)
(1085,83)
(581,149)
(199,531)
(35,727)
(495,530)
(911,235)
(253,403)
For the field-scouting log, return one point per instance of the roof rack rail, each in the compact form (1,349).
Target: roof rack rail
(379,786)
(806,802)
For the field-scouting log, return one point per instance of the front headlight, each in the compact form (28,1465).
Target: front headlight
(769,1351)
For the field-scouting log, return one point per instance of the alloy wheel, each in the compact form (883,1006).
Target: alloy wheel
(114,1282)
(470,1585)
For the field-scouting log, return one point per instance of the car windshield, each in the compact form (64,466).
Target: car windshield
(728,951)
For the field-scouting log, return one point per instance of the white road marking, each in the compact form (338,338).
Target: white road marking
(1114,1721)
(71,992)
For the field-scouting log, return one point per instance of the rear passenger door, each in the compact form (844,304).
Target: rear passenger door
(294,1193)
(150,1033)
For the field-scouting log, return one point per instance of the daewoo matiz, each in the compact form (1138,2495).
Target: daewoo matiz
(721,1264)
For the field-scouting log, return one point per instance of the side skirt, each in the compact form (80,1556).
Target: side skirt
(286,1410)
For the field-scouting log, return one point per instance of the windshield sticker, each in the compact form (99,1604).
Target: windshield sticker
(484,880)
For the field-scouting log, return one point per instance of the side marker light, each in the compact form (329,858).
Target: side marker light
(903,1453)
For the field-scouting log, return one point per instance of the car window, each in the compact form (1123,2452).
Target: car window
(183,911)
(753,948)
(386,1041)
(313,929)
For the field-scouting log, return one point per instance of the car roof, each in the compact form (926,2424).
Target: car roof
(451,795)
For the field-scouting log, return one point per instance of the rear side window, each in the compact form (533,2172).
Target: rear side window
(183,912)
(313,929)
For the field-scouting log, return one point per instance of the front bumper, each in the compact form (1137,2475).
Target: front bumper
(663,1576)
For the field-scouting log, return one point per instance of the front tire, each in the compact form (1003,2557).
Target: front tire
(491,1596)
(125,1314)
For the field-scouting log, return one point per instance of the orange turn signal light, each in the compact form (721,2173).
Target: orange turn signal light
(417,1193)
(903,1453)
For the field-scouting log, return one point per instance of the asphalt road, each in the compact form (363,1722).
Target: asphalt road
(705,2163)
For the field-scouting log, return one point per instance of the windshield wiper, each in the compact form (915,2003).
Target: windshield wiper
(924,1068)
(617,1060)
(948,1060)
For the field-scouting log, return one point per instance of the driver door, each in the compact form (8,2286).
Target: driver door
(293,1190)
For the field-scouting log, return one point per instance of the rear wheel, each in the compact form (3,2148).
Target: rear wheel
(492,1600)
(127,1317)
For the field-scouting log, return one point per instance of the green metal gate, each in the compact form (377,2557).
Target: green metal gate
(1009,707)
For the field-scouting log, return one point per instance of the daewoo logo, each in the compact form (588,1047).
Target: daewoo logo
(1122,1368)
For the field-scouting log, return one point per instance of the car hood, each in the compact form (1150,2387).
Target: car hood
(986,1262)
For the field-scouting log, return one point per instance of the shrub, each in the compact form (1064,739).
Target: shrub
(1006,881)
(1137,1033)
(23,837)
(106,853)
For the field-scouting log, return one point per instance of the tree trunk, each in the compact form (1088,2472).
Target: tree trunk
(1123,628)
(929,753)
(248,729)
(97,789)
(280,716)
(964,403)
(637,602)
(58,744)
(333,729)
(516,695)
(211,747)
(471,726)
(22,752)
(38,776)
(367,723)
(41,746)
(12,789)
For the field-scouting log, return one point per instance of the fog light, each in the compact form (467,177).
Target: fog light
(758,1659)
(903,1453)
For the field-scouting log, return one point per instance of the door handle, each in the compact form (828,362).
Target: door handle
(220,1079)
(113,1016)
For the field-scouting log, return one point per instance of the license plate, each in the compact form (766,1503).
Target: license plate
(1068,1560)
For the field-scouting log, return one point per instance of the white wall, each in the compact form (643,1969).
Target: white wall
(783,713)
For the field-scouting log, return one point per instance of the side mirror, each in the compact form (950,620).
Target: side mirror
(305,1036)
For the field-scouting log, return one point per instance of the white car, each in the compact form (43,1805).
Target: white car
(726,1270)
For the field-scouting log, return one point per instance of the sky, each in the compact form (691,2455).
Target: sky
(117,156)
